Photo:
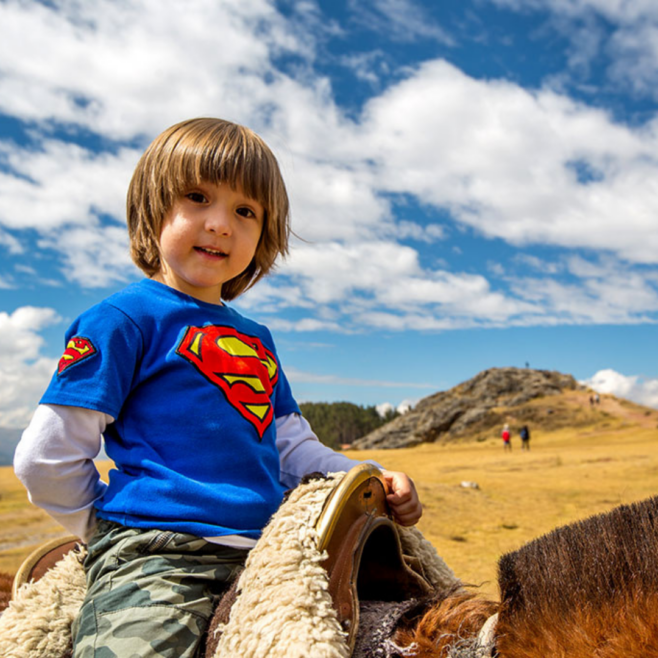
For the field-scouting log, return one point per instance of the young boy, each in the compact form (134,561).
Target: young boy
(195,409)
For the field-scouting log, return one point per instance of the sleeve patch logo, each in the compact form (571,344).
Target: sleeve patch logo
(239,365)
(77,349)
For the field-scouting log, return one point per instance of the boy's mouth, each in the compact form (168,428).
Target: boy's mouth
(212,252)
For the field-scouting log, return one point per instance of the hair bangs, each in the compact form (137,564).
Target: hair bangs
(227,154)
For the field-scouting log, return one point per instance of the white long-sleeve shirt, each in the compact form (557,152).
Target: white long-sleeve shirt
(54,460)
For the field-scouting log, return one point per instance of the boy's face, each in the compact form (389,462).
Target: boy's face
(208,237)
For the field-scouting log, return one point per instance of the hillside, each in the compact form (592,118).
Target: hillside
(478,408)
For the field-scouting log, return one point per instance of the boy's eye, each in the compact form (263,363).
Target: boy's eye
(196,197)
(246,212)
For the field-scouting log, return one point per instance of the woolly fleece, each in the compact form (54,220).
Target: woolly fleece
(285,568)
(37,623)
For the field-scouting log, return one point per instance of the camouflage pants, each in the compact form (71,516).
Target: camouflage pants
(150,594)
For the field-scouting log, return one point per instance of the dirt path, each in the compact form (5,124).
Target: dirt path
(644,417)
(634,414)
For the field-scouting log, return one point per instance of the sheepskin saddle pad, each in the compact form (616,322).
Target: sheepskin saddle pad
(329,547)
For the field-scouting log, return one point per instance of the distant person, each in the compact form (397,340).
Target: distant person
(591,400)
(507,438)
(525,438)
(597,398)
(201,463)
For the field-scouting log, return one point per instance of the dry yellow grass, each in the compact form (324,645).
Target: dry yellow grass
(569,474)
(22,526)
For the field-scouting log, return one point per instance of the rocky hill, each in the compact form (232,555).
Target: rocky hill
(477,408)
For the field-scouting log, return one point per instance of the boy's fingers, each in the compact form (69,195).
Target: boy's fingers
(402,498)
(408,517)
(399,483)
(398,499)
(407,509)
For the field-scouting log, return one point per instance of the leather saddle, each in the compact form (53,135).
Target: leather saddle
(43,558)
(365,561)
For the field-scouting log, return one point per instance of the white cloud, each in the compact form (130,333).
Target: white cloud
(94,256)
(632,47)
(471,146)
(367,66)
(383,409)
(299,376)
(632,387)
(305,324)
(386,407)
(535,263)
(405,230)
(360,294)
(604,291)
(10,243)
(354,266)
(62,183)
(130,68)
(635,52)
(334,202)
(617,11)
(527,167)
(362,279)
(405,406)
(402,20)
(19,333)
(24,372)
(22,388)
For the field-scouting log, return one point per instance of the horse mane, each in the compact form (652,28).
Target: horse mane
(452,623)
(586,589)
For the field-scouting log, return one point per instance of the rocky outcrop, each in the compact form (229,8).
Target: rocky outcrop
(469,407)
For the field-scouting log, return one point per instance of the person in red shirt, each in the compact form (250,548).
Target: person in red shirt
(506,436)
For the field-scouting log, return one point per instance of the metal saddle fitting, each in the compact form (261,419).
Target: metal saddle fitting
(365,559)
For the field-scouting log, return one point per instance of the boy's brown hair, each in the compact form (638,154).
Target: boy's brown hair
(215,151)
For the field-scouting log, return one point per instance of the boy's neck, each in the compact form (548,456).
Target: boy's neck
(206,295)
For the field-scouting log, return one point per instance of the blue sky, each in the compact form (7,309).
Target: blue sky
(473,183)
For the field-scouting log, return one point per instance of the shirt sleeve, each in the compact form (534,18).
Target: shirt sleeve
(54,460)
(284,402)
(300,451)
(103,349)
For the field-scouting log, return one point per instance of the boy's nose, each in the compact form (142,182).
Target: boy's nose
(218,221)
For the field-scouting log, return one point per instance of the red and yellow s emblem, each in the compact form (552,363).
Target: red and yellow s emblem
(77,349)
(239,365)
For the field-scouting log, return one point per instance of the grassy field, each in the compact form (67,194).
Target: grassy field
(22,526)
(567,475)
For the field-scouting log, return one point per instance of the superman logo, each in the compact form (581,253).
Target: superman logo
(238,365)
(77,349)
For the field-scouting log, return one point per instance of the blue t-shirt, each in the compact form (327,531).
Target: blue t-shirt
(194,389)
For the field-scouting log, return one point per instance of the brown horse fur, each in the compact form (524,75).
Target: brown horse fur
(454,618)
(220,617)
(588,590)
(6,582)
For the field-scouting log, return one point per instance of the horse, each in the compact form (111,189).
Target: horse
(585,590)
(357,584)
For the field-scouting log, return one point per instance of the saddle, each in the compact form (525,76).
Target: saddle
(365,560)
(41,560)
(351,552)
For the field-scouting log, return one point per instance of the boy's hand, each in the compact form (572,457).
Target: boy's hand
(402,498)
